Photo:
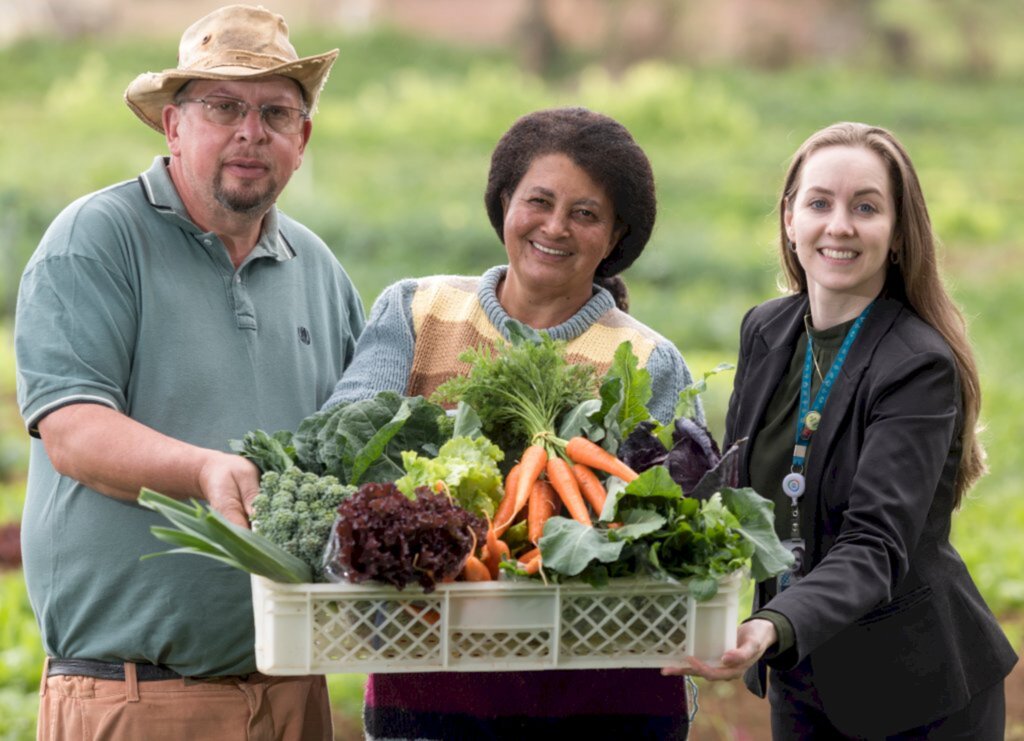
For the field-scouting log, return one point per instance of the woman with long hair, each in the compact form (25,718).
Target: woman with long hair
(859,399)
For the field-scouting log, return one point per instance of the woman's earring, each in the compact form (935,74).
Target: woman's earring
(894,257)
(792,245)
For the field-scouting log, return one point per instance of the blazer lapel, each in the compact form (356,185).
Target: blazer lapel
(768,361)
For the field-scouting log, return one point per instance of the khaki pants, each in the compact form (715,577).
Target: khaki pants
(256,708)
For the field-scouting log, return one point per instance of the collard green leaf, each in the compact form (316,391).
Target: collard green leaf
(375,446)
(654,483)
(569,546)
(702,588)
(636,523)
(467,422)
(363,440)
(635,389)
(756,517)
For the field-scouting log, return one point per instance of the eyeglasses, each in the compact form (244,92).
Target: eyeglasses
(232,111)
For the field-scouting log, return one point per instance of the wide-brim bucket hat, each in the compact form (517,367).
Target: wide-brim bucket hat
(236,42)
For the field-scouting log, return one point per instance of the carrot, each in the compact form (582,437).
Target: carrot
(590,487)
(581,450)
(531,465)
(475,570)
(533,565)
(560,476)
(507,509)
(543,504)
(493,552)
(528,556)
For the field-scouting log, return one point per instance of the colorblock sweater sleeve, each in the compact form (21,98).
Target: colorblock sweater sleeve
(384,353)
(669,376)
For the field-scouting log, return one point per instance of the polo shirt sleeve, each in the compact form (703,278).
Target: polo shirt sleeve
(75,322)
(384,352)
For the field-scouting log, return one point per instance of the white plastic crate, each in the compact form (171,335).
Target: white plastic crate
(487,626)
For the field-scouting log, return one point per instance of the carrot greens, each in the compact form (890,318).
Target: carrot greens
(521,389)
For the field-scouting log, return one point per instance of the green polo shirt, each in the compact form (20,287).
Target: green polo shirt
(128,304)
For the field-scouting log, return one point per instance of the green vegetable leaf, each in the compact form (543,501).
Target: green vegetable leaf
(634,391)
(686,406)
(702,588)
(467,422)
(364,440)
(756,517)
(636,523)
(374,448)
(577,422)
(519,333)
(654,483)
(269,452)
(569,546)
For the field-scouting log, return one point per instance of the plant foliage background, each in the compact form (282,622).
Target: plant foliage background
(394,180)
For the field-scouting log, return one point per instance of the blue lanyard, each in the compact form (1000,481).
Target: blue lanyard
(809,416)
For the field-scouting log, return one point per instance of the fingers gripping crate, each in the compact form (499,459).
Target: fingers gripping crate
(487,626)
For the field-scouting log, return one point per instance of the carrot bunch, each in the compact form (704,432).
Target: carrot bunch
(543,483)
(520,389)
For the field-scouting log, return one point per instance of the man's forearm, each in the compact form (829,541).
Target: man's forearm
(115,455)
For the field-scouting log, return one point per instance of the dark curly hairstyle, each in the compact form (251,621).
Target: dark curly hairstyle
(601,147)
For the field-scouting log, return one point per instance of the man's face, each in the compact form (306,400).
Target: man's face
(241,168)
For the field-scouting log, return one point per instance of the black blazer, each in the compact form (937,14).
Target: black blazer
(895,630)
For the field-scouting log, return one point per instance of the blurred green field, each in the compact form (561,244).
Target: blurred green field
(394,178)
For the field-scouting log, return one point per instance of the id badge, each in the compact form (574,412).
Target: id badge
(794,573)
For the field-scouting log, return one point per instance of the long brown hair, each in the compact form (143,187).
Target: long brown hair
(914,279)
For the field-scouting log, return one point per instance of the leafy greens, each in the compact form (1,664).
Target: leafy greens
(667,534)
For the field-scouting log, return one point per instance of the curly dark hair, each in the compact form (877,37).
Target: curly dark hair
(601,147)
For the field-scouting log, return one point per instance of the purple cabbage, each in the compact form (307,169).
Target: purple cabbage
(694,453)
(641,449)
(695,461)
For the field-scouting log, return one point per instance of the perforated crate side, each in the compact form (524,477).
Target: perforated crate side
(487,626)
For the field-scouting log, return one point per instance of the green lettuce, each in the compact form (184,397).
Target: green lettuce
(467,466)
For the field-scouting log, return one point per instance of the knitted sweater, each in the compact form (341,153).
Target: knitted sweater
(411,344)
(418,328)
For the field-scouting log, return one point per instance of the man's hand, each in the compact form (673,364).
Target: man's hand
(229,483)
(753,638)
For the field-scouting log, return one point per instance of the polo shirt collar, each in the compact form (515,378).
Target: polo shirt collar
(161,194)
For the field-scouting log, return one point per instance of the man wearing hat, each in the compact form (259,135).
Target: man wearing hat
(159,319)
